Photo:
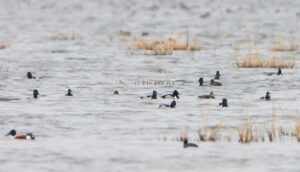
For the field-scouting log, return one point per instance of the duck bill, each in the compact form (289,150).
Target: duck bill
(7,134)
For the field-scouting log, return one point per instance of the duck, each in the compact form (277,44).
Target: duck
(172,105)
(279,72)
(13,134)
(153,96)
(30,76)
(267,97)
(116,92)
(224,103)
(69,93)
(210,96)
(214,83)
(200,81)
(175,95)
(186,144)
(35,93)
(217,76)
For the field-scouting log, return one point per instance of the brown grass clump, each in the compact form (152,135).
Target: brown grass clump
(245,132)
(296,131)
(163,47)
(285,46)
(64,37)
(4,45)
(255,61)
(214,133)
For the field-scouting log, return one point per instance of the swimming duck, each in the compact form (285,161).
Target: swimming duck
(272,73)
(186,144)
(13,134)
(153,96)
(200,81)
(69,93)
(267,97)
(35,93)
(29,75)
(116,92)
(210,96)
(214,83)
(172,105)
(224,103)
(217,76)
(175,95)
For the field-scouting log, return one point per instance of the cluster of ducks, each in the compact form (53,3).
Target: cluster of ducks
(174,95)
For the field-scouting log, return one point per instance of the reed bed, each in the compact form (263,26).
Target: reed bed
(248,132)
(285,46)
(64,37)
(155,82)
(256,61)
(162,47)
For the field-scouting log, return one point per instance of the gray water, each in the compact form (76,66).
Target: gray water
(97,131)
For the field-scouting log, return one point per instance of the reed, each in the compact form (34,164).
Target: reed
(285,46)
(256,61)
(296,131)
(162,47)
(64,37)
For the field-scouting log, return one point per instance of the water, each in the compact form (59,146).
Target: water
(96,130)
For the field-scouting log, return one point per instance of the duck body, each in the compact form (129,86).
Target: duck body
(14,135)
(210,96)
(153,96)
(186,144)
(175,95)
(267,97)
(172,105)
(35,93)
(224,103)
(217,76)
(214,83)
(69,93)
(30,76)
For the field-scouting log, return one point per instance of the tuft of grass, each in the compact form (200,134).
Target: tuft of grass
(163,47)
(296,131)
(255,61)
(285,46)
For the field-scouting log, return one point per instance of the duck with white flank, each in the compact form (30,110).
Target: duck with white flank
(14,135)
(172,105)
(153,96)
(175,95)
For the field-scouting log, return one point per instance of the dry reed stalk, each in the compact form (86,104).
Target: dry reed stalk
(203,132)
(284,46)
(255,61)
(214,133)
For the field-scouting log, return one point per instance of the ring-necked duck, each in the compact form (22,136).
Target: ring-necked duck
(172,105)
(210,96)
(273,73)
(217,76)
(116,92)
(175,95)
(35,93)
(224,103)
(201,81)
(214,83)
(14,135)
(186,144)
(267,97)
(153,96)
(30,76)
(69,93)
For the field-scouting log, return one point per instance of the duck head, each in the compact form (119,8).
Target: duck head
(176,94)
(279,72)
(69,91)
(116,93)
(154,93)
(30,136)
(35,93)
(11,133)
(29,75)
(201,81)
(173,104)
(211,94)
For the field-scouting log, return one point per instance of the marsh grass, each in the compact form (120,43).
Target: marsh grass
(285,46)
(155,82)
(162,47)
